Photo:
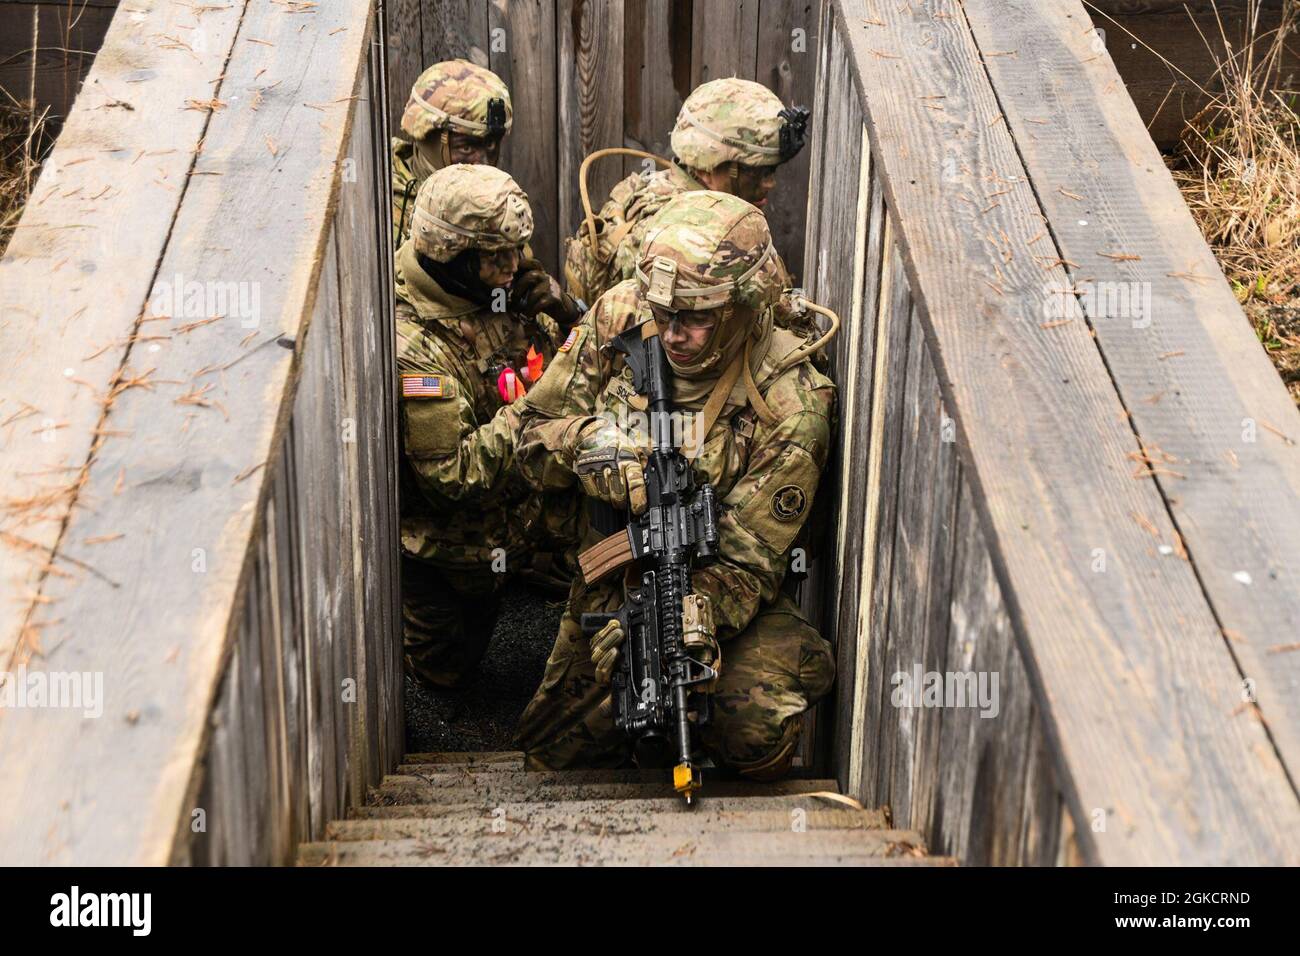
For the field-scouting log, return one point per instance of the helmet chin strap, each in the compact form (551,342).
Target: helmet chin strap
(446,148)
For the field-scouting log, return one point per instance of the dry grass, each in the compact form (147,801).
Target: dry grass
(1239,171)
(21,130)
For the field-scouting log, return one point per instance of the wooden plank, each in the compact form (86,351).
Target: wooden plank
(406,54)
(817,144)
(1040,838)
(523,55)
(884,453)
(455,30)
(656,73)
(1188,367)
(589,55)
(926,532)
(52,332)
(545,848)
(194,483)
(1016,383)
(724,40)
(787,64)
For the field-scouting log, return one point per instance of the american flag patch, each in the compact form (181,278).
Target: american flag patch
(422,386)
(568,343)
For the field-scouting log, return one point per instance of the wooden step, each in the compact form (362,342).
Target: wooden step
(548,786)
(505,759)
(722,848)
(440,775)
(660,803)
(602,818)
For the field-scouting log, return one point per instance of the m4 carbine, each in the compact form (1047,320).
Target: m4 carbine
(658,685)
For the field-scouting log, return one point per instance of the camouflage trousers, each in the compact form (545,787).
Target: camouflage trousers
(447,620)
(772,672)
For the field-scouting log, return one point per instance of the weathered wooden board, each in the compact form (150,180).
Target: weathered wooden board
(1042,397)
(523,55)
(589,61)
(656,73)
(724,40)
(885,449)
(193,477)
(406,51)
(786,63)
(1200,392)
(78,272)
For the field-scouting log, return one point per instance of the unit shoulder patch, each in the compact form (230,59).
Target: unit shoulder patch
(420,385)
(788,503)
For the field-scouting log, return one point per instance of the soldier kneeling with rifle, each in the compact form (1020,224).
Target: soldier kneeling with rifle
(677,634)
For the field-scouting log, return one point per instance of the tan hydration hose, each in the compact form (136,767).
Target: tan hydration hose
(801,302)
(582,182)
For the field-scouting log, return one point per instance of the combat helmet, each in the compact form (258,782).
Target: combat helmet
(705,250)
(463,207)
(457,96)
(735,120)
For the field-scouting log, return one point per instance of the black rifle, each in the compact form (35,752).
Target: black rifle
(656,685)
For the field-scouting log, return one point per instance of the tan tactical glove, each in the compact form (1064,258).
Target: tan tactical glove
(607,466)
(604,651)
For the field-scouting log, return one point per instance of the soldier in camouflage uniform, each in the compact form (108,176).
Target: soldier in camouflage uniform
(764,451)
(730,136)
(466,351)
(460,113)
(457,113)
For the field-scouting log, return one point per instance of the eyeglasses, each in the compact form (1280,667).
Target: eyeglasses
(692,321)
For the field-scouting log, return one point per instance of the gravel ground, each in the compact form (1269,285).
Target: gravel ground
(484,714)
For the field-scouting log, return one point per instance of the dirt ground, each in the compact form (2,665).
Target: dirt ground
(484,714)
(1278,329)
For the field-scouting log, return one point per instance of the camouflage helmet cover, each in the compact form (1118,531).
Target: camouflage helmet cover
(729,120)
(706,250)
(464,207)
(455,95)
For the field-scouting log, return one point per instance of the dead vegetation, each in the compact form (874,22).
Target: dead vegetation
(1238,167)
(21,133)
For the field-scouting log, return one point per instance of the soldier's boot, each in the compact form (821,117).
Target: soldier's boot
(772,673)
(444,632)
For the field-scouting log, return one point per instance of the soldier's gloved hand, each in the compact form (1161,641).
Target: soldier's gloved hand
(534,290)
(608,468)
(605,649)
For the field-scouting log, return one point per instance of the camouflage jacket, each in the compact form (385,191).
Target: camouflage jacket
(765,475)
(459,499)
(405,186)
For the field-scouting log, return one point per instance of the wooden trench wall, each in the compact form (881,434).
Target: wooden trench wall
(201,422)
(1097,507)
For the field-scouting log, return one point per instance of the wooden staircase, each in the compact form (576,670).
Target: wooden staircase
(457,809)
